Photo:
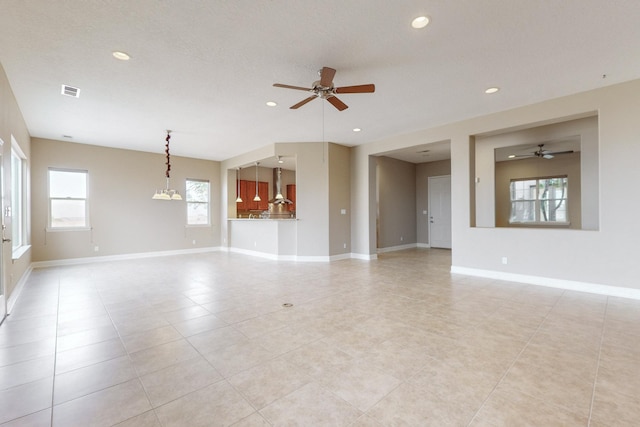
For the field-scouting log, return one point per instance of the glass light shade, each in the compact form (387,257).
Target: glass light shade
(239,199)
(164,196)
(176,196)
(279,196)
(257,198)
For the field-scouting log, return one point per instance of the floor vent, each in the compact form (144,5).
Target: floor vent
(70,91)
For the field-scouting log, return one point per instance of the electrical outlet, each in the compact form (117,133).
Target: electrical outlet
(194,241)
(401,238)
(96,248)
(505,260)
(343,211)
(345,246)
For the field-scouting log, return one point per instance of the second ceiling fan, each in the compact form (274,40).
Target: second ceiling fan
(324,89)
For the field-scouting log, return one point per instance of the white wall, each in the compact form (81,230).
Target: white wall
(603,257)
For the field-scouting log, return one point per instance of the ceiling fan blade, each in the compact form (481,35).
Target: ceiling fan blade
(326,76)
(292,87)
(370,88)
(301,103)
(560,152)
(337,103)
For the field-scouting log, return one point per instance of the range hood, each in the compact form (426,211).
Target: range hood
(279,198)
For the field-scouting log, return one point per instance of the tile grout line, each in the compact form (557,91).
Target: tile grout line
(515,360)
(595,378)
(55,355)
(130,360)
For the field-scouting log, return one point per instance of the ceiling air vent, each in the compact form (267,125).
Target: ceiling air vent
(70,91)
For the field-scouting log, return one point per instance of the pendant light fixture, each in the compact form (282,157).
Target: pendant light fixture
(167,193)
(257,197)
(238,198)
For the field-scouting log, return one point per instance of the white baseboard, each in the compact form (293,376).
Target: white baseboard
(87,260)
(424,245)
(297,258)
(397,248)
(571,285)
(15,294)
(366,257)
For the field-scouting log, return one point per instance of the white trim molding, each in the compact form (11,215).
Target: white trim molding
(397,248)
(87,260)
(15,294)
(571,285)
(366,257)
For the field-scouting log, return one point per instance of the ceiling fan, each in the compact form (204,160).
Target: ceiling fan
(542,153)
(324,89)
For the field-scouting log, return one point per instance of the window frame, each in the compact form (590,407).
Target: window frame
(197,202)
(19,210)
(538,202)
(87,223)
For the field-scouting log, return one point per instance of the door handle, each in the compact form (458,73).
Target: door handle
(4,239)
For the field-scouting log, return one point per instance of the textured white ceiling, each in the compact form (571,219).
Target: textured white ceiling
(205,68)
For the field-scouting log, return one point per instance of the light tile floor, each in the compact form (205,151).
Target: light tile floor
(204,340)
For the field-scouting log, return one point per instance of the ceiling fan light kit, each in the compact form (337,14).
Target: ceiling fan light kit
(541,153)
(324,88)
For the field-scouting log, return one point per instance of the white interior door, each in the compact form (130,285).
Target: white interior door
(439,188)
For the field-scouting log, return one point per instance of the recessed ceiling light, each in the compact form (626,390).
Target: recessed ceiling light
(357,129)
(271,104)
(67,136)
(492,90)
(512,156)
(420,22)
(122,56)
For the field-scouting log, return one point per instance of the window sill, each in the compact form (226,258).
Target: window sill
(540,224)
(17,253)
(55,230)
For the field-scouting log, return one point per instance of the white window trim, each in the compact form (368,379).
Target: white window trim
(537,201)
(25,245)
(208,203)
(87,226)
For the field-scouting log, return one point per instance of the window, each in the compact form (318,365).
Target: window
(539,200)
(197,202)
(18,208)
(68,204)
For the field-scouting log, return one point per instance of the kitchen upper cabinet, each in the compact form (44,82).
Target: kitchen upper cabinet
(291,195)
(248,192)
(242,206)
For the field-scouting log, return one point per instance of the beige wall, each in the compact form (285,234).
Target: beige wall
(602,256)
(339,200)
(396,202)
(423,172)
(12,125)
(123,217)
(567,164)
(312,192)
(485,166)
